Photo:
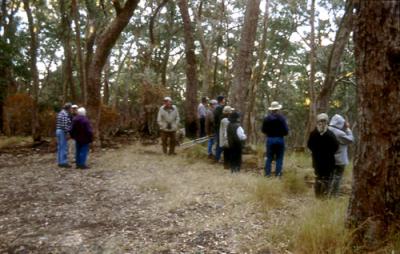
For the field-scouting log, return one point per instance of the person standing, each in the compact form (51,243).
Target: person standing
(168,121)
(323,145)
(201,115)
(223,135)
(210,130)
(275,128)
(63,126)
(82,133)
(236,137)
(218,115)
(341,128)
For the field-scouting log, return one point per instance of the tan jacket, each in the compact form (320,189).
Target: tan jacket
(168,119)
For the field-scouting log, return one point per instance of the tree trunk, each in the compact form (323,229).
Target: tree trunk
(311,83)
(106,90)
(191,73)
(68,83)
(250,117)
(341,39)
(103,48)
(33,47)
(81,64)
(374,208)
(242,67)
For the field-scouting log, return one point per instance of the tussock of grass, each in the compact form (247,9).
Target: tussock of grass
(195,153)
(13,141)
(268,193)
(294,183)
(320,228)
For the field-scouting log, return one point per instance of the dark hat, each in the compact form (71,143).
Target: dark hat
(234,116)
(220,98)
(67,105)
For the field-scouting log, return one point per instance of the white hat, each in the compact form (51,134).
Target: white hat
(227,110)
(167,98)
(322,117)
(74,106)
(275,106)
(213,102)
(82,111)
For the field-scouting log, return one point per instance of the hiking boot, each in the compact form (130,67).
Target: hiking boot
(82,167)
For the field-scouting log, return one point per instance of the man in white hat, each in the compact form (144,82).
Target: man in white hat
(275,128)
(168,120)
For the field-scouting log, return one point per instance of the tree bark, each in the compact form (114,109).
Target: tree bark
(33,47)
(250,117)
(104,44)
(374,208)
(335,57)
(191,73)
(239,92)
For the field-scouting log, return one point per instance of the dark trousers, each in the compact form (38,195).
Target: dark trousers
(81,153)
(321,186)
(202,127)
(227,157)
(336,180)
(168,140)
(235,158)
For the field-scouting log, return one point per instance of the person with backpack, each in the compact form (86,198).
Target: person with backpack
(323,146)
(236,138)
(275,128)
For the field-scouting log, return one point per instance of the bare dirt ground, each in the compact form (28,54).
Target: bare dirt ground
(132,200)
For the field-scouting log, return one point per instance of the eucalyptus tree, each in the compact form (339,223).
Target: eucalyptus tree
(374,209)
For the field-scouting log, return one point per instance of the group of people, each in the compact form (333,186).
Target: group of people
(328,143)
(73,123)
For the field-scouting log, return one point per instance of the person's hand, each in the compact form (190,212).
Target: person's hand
(346,125)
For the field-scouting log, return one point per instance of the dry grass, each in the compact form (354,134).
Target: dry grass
(14,141)
(268,193)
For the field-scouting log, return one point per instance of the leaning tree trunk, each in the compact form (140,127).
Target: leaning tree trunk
(103,49)
(374,208)
(244,60)
(335,57)
(34,71)
(191,73)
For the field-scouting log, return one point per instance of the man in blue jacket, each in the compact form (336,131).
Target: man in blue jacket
(275,128)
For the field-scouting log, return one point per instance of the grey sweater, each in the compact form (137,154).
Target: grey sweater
(344,138)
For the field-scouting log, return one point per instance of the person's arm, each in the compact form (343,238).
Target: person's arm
(346,136)
(264,127)
(285,126)
(240,133)
(159,118)
(177,116)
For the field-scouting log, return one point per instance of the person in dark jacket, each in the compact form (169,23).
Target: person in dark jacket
(323,145)
(210,129)
(275,128)
(236,137)
(218,115)
(82,133)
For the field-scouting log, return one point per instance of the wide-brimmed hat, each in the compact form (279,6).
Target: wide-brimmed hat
(275,106)
(213,102)
(167,98)
(227,110)
(74,106)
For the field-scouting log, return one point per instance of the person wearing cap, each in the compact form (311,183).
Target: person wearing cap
(341,128)
(201,115)
(223,135)
(81,132)
(236,137)
(275,128)
(63,126)
(210,130)
(74,110)
(218,115)
(168,121)
(323,146)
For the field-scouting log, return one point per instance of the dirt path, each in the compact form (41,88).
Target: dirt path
(132,200)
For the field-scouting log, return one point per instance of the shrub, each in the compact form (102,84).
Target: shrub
(17,115)
(294,182)
(109,121)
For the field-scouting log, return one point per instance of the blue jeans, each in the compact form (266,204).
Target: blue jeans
(81,153)
(210,145)
(275,149)
(218,149)
(62,147)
